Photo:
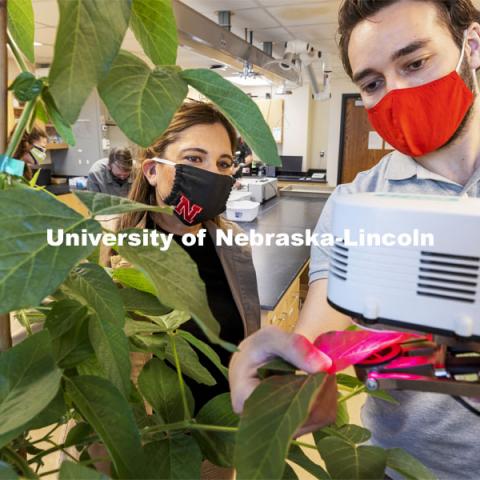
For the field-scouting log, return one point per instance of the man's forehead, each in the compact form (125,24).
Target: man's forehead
(393,28)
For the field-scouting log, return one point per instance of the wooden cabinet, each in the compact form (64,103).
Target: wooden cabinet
(286,313)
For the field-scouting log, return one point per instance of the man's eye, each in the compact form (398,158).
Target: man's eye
(416,65)
(372,86)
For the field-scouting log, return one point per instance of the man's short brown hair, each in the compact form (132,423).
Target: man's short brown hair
(456,15)
(122,157)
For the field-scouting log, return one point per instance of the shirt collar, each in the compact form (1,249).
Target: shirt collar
(403,167)
(111,180)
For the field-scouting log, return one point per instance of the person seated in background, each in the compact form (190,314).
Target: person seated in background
(243,159)
(112,175)
(32,150)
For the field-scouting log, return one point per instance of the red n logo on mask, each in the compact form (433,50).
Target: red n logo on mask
(187,210)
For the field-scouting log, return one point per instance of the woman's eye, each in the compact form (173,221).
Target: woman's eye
(225,165)
(193,159)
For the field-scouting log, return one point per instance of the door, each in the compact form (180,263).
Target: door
(361,147)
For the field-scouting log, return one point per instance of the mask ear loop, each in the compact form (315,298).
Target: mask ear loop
(462,55)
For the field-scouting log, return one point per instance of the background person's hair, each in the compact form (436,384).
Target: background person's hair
(190,114)
(122,157)
(456,15)
(28,139)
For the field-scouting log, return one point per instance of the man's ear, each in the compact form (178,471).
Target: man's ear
(149,169)
(474,45)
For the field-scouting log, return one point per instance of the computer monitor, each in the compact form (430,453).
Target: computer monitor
(291,164)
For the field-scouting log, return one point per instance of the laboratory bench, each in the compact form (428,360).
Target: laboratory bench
(282,271)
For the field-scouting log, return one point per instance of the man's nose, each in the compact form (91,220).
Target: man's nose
(396,82)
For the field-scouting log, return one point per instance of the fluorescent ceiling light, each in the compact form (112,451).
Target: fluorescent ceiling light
(257,81)
(37,44)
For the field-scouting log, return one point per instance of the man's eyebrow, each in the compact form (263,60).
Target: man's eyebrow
(411,48)
(358,77)
(403,52)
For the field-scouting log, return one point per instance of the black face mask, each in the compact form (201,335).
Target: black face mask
(197,195)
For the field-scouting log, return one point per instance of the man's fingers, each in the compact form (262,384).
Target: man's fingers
(264,345)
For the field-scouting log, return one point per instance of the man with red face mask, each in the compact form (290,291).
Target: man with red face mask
(415,63)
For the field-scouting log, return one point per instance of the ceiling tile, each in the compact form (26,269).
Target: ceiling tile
(306,14)
(254,18)
(277,3)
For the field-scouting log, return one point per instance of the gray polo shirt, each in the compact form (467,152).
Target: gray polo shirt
(435,428)
(100,180)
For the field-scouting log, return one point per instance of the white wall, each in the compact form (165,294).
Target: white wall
(296,124)
(319,129)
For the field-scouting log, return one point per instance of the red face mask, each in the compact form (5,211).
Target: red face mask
(420,120)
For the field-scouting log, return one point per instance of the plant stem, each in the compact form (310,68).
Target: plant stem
(16,53)
(20,128)
(355,392)
(212,428)
(181,383)
(302,444)
(61,448)
(14,458)
(49,472)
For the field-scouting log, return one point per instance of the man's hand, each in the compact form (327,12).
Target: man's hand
(261,347)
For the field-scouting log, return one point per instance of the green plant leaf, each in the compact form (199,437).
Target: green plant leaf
(21,26)
(75,471)
(344,459)
(189,361)
(133,278)
(7,472)
(217,447)
(289,473)
(53,413)
(156,344)
(61,125)
(90,284)
(349,381)
(297,456)
(158,383)
(382,395)
(63,316)
(26,87)
(239,108)
(74,346)
(103,204)
(111,349)
(407,465)
(272,415)
(206,349)
(141,302)
(277,366)
(31,269)
(78,434)
(108,412)
(142,101)
(342,413)
(40,112)
(138,327)
(177,283)
(88,39)
(175,458)
(29,381)
(171,321)
(350,433)
(155,28)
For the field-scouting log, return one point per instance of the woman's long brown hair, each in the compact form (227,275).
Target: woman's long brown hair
(190,114)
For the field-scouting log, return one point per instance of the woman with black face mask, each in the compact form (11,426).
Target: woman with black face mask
(190,168)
